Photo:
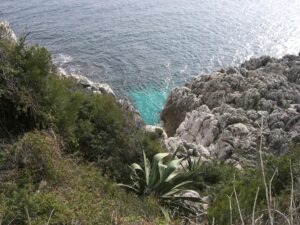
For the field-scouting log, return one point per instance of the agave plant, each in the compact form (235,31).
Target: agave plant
(193,164)
(166,180)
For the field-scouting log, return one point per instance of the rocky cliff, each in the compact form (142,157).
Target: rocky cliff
(220,115)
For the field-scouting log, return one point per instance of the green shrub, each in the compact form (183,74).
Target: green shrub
(44,181)
(23,76)
(35,157)
(246,186)
(159,132)
(82,198)
(105,136)
(248,181)
(39,207)
(151,144)
(91,125)
(96,128)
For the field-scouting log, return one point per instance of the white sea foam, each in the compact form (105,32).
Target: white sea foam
(62,71)
(61,59)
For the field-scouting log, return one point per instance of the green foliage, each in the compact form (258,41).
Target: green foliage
(246,185)
(106,138)
(92,126)
(34,158)
(247,182)
(81,194)
(165,180)
(35,171)
(36,174)
(23,75)
(159,132)
(39,206)
(151,144)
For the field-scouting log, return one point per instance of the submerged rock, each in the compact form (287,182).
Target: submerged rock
(222,112)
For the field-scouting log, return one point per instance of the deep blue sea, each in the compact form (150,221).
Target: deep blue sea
(144,48)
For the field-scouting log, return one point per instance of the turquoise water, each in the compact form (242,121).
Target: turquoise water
(143,47)
(150,102)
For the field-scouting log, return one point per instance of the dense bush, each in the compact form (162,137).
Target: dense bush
(151,144)
(92,126)
(23,76)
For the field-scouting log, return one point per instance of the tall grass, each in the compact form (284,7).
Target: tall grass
(274,214)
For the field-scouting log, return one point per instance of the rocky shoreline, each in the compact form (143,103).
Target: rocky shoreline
(103,88)
(95,87)
(220,115)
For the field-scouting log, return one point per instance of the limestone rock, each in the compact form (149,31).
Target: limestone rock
(222,112)
(6,32)
(127,105)
(98,88)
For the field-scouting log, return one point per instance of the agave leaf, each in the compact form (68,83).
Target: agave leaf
(187,209)
(161,168)
(171,176)
(172,188)
(177,178)
(172,166)
(129,187)
(155,173)
(160,156)
(184,176)
(191,199)
(164,180)
(182,182)
(136,166)
(171,193)
(147,168)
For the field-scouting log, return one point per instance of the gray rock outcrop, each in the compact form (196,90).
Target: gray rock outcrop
(219,115)
(97,88)
(6,32)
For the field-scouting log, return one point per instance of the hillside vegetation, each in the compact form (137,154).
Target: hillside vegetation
(64,150)
(63,147)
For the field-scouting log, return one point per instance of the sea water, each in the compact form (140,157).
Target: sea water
(144,48)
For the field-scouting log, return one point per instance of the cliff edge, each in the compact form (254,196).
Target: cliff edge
(220,115)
